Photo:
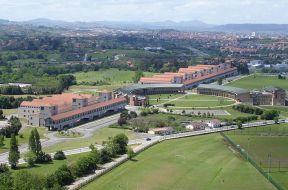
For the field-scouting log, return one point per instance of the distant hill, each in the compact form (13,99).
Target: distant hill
(2,21)
(185,25)
(252,28)
(193,25)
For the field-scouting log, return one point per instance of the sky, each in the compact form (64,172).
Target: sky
(209,11)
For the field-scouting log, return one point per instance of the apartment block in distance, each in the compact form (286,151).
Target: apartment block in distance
(193,75)
(68,109)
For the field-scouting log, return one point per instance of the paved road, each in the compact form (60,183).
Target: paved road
(87,130)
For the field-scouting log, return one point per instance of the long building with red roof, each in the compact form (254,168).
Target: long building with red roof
(67,109)
(192,75)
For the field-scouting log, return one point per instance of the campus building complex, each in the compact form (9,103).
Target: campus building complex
(136,94)
(193,75)
(67,109)
(267,96)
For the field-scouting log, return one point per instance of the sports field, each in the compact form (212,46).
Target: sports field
(262,141)
(258,81)
(193,100)
(202,162)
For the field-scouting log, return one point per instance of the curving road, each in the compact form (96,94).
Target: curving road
(87,130)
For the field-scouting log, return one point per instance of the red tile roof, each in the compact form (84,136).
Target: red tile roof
(209,76)
(87,108)
(56,100)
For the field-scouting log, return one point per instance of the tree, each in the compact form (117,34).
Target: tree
(104,156)
(269,114)
(38,146)
(14,153)
(34,142)
(122,141)
(59,155)
(122,121)
(220,81)
(84,166)
(30,158)
(137,76)
(3,168)
(239,125)
(2,140)
(6,180)
(1,115)
(133,114)
(63,176)
(23,180)
(130,153)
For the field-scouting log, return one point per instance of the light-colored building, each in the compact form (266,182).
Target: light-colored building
(267,96)
(214,123)
(197,125)
(161,131)
(192,76)
(67,109)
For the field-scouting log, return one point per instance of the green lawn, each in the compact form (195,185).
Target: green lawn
(202,162)
(283,110)
(98,137)
(113,76)
(259,81)
(46,169)
(162,98)
(201,101)
(261,141)
(25,132)
(9,111)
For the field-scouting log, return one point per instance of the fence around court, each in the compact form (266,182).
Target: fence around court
(246,156)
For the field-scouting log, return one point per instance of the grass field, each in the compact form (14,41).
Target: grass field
(202,162)
(162,98)
(258,81)
(25,132)
(98,137)
(194,100)
(283,110)
(261,141)
(46,169)
(113,76)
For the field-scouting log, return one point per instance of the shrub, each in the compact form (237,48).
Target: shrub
(3,168)
(59,155)
(104,156)
(84,166)
(270,114)
(42,157)
(63,176)
(130,153)
(30,158)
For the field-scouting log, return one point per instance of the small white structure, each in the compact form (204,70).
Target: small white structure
(4,124)
(197,125)
(214,123)
(161,131)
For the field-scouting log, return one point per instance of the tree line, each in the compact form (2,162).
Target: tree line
(65,174)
